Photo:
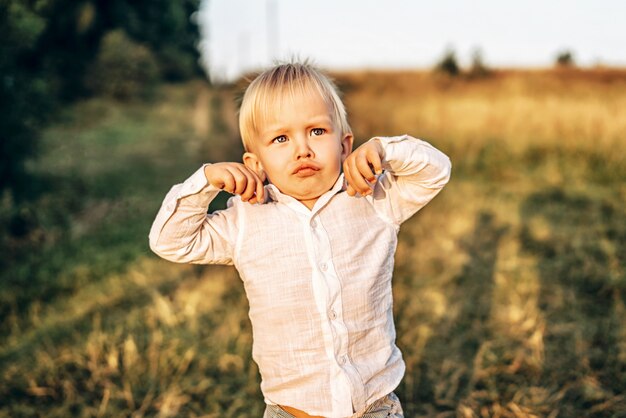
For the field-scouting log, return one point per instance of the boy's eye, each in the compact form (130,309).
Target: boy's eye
(318,131)
(279,139)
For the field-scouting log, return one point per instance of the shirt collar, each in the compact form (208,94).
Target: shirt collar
(276,195)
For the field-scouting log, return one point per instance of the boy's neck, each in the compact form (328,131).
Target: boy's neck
(310,203)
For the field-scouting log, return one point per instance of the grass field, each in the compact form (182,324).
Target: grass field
(510,287)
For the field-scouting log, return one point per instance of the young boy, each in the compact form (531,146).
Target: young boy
(314,247)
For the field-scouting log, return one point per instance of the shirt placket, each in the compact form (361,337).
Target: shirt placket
(346,384)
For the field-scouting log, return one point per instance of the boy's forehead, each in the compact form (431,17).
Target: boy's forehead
(294,95)
(306,102)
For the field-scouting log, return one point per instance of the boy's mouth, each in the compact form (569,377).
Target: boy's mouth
(306,170)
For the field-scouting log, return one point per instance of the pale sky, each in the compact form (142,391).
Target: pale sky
(244,35)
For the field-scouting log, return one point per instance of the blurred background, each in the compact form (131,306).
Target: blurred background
(513,307)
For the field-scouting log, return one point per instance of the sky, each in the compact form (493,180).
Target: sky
(245,35)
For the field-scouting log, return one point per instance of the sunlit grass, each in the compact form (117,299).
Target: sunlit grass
(509,287)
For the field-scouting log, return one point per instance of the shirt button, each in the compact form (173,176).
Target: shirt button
(324,266)
(313,223)
(332,314)
(342,360)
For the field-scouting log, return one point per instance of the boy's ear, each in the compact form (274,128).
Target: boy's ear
(251,161)
(346,145)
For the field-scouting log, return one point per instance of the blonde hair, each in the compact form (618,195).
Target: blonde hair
(265,92)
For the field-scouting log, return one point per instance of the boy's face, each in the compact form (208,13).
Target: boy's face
(299,148)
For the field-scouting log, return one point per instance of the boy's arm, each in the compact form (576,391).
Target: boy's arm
(415,172)
(183,232)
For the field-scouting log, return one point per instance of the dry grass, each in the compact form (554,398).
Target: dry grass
(524,109)
(509,287)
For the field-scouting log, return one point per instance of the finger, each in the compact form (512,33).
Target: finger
(346,172)
(218,181)
(364,168)
(240,180)
(248,192)
(228,181)
(255,187)
(374,159)
(358,182)
(260,190)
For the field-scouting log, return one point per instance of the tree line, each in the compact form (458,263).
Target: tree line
(55,51)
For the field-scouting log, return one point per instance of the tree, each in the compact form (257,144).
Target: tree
(448,64)
(564,58)
(164,26)
(48,46)
(123,68)
(24,92)
(478,68)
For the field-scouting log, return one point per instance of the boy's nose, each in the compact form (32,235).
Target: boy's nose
(303,150)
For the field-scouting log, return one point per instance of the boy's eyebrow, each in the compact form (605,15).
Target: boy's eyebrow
(325,120)
(277,128)
(271,131)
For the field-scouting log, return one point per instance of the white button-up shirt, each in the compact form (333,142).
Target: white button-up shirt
(318,281)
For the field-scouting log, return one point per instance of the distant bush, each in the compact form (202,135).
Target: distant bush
(448,64)
(123,68)
(478,68)
(565,59)
(176,65)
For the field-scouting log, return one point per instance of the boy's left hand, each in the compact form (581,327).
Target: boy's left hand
(362,166)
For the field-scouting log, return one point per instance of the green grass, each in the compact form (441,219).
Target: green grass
(509,287)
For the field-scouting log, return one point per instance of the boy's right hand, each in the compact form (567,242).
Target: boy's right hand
(236,178)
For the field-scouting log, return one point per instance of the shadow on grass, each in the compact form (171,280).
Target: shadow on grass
(444,372)
(77,326)
(580,246)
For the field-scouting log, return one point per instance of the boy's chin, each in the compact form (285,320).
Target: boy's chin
(313,195)
(309,196)
(308,188)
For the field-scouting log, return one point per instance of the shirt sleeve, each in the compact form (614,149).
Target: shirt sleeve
(183,232)
(414,172)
